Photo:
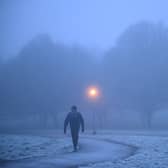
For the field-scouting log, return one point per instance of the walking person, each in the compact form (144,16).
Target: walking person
(75,119)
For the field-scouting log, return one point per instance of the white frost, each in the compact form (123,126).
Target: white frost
(152,153)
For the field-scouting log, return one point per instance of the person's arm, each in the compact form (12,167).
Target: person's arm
(82,123)
(66,123)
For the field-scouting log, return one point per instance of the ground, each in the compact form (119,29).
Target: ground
(103,150)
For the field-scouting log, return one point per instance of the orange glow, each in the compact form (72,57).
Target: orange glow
(93,92)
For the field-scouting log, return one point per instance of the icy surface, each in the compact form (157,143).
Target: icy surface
(40,151)
(16,147)
(98,151)
(152,153)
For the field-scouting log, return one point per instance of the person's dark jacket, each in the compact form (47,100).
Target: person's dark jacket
(75,119)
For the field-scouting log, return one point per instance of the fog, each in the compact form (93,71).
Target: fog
(52,51)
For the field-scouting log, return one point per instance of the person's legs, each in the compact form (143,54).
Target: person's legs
(74,139)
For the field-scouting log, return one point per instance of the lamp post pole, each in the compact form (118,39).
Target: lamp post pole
(93,93)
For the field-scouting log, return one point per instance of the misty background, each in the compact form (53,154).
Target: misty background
(51,51)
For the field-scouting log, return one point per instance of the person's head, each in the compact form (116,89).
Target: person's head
(74,109)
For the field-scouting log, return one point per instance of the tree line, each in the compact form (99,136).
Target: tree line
(46,78)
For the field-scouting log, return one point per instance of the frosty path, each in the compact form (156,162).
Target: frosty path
(59,155)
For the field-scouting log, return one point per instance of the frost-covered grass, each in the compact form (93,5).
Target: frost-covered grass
(104,150)
(152,152)
(57,151)
(15,147)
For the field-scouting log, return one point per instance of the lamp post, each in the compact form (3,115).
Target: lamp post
(93,93)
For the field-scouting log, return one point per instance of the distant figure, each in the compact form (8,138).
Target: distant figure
(75,119)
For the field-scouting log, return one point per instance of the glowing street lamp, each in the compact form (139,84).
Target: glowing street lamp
(93,93)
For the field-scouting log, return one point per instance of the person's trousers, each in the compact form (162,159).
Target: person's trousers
(75,136)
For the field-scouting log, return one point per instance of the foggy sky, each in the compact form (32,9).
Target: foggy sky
(92,23)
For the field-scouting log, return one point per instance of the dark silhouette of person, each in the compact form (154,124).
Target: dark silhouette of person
(75,119)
